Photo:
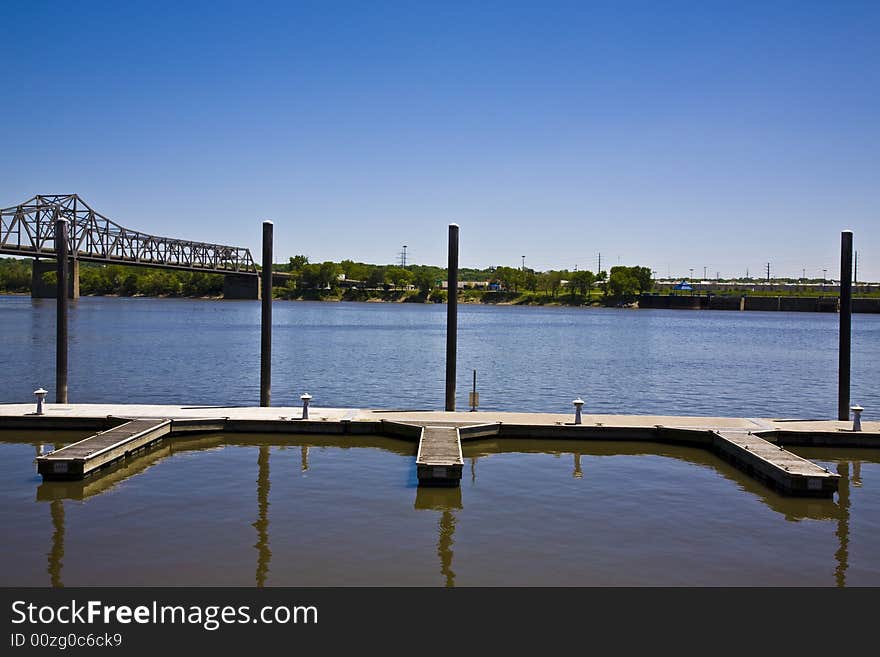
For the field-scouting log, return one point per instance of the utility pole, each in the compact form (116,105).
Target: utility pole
(704,273)
(600,263)
(692,274)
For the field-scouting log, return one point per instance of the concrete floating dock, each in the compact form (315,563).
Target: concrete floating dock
(775,465)
(439,461)
(755,446)
(84,457)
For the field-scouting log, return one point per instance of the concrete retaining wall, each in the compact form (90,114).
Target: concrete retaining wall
(40,289)
(677,302)
(725,303)
(241,286)
(786,304)
(866,305)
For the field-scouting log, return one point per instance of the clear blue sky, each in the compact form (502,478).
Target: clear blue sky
(674,135)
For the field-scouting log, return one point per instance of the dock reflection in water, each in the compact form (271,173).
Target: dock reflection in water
(591,513)
(445,501)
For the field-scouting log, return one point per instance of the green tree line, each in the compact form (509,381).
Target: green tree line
(96,279)
(621,283)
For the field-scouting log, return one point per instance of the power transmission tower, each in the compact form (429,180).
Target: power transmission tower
(768,272)
(402,255)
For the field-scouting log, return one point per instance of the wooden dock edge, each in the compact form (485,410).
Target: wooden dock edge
(748,462)
(54,466)
(445,473)
(755,459)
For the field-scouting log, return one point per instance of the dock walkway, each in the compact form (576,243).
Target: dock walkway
(439,461)
(754,445)
(82,458)
(775,465)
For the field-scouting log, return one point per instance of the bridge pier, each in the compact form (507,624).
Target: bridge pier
(241,286)
(40,289)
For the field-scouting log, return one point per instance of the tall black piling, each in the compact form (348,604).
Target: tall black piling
(451,316)
(266,317)
(61,249)
(846,260)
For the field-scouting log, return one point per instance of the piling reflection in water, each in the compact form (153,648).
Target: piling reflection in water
(446,504)
(264,554)
(56,553)
(446,501)
(842,554)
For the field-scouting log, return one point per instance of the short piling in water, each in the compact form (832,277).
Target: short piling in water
(61,230)
(846,260)
(266,318)
(451,316)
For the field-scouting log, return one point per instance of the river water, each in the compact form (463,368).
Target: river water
(365,355)
(275,510)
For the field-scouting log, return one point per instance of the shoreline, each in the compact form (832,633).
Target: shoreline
(798,304)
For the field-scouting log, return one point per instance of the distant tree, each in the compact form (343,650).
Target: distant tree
(398,276)
(550,282)
(298,262)
(581,282)
(509,278)
(376,277)
(644,277)
(424,281)
(622,283)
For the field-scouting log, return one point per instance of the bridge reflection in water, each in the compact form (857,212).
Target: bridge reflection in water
(447,502)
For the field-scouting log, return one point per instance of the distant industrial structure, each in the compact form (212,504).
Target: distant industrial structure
(744,286)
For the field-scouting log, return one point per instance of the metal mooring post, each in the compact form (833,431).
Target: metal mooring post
(857,417)
(266,318)
(474,400)
(451,316)
(61,312)
(40,394)
(306,398)
(846,259)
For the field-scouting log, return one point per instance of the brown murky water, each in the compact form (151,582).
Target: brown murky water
(246,510)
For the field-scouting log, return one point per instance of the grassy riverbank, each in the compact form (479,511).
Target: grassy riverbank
(440,296)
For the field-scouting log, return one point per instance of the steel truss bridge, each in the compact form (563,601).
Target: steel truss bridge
(28,229)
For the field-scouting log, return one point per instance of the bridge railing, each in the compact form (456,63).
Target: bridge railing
(28,229)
